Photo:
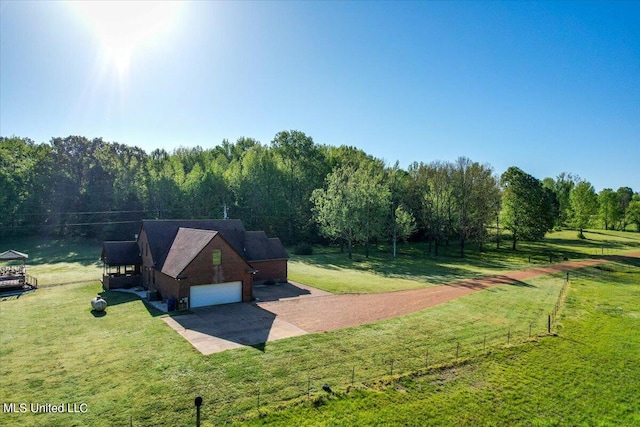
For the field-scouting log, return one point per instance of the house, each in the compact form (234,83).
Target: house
(195,262)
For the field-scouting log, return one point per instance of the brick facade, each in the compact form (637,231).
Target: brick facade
(275,270)
(170,256)
(233,267)
(200,271)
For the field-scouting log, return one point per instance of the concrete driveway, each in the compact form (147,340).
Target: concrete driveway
(224,327)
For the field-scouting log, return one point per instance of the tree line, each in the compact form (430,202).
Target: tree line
(293,188)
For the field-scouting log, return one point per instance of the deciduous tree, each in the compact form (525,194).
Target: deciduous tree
(475,194)
(609,208)
(633,211)
(584,205)
(526,208)
(353,206)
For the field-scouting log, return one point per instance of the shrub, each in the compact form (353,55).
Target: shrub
(303,249)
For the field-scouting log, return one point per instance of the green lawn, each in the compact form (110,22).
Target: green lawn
(59,261)
(585,376)
(129,364)
(129,367)
(333,271)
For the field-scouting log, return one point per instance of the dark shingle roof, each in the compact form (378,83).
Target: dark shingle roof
(121,253)
(161,234)
(261,248)
(186,246)
(174,243)
(277,249)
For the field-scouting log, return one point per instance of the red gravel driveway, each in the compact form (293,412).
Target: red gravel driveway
(327,312)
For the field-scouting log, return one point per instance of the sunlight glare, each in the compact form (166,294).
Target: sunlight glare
(122,26)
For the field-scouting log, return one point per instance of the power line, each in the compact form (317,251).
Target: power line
(82,213)
(11,227)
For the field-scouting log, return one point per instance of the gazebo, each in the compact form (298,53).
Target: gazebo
(13,275)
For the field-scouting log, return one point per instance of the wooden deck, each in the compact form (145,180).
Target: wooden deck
(17,280)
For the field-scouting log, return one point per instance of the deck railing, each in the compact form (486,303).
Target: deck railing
(18,281)
(31,281)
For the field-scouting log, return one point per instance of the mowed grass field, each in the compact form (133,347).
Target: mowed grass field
(587,375)
(414,267)
(55,262)
(130,368)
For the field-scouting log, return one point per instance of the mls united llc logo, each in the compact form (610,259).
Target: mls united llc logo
(37,408)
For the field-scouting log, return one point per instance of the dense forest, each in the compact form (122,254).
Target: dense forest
(292,188)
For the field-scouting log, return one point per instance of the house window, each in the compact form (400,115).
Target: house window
(217,257)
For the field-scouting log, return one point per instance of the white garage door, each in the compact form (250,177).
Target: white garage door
(219,293)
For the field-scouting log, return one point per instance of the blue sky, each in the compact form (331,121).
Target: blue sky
(549,87)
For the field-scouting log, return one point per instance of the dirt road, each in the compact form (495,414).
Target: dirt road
(329,312)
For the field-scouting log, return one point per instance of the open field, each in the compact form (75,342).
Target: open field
(129,367)
(128,363)
(332,271)
(59,261)
(587,375)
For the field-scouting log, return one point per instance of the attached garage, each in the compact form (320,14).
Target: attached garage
(214,294)
(206,262)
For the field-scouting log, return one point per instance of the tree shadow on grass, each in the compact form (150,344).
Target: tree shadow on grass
(545,249)
(591,246)
(626,260)
(633,237)
(43,251)
(491,281)
(424,269)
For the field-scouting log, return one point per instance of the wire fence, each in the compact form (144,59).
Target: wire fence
(264,394)
(314,384)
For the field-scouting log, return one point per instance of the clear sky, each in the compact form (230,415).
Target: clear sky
(549,87)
